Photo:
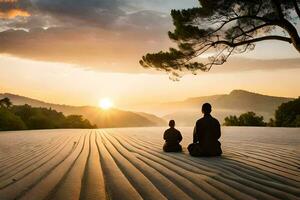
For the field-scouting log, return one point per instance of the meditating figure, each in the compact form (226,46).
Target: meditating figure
(172,137)
(206,134)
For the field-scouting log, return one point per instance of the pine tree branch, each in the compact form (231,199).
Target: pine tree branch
(278,8)
(270,37)
(296,7)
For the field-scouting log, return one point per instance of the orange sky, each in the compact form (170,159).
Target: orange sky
(78,52)
(68,84)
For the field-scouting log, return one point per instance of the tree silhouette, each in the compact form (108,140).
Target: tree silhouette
(5,102)
(288,114)
(221,28)
(245,119)
(27,117)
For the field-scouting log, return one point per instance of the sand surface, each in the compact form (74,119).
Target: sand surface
(258,163)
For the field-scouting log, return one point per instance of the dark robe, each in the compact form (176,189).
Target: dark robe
(205,139)
(172,137)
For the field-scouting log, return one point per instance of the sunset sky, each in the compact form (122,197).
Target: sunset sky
(78,52)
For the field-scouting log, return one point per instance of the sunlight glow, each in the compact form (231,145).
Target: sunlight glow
(105,103)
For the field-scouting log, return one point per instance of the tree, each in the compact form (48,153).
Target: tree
(232,120)
(251,119)
(245,119)
(223,28)
(76,121)
(5,102)
(271,123)
(40,121)
(44,118)
(288,114)
(27,117)
(9,121)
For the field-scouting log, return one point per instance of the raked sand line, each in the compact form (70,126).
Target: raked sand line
(183,184)
(27,161)
(129,163)
(26,146)
(284,180)
(164,185)
(236,158)
(138,180)
(118,186)
(260,150)
(30,168)
(13,160)
(220,187)
(93,181)
(159,149)
(271,192)
(70,186)
(281,160)
(43,187)
(168,154)
(30,155)
(20,188)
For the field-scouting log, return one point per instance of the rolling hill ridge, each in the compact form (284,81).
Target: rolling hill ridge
(102,118)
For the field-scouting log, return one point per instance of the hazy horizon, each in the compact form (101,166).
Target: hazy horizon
(74,54)
(143,103)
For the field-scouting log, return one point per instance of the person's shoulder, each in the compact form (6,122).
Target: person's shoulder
(215,120)
(167,130)
(177,131)
(200,120)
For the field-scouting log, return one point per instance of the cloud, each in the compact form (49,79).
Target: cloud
(107,35)
(160,5)
(14,13)
(97,34)
(87,12)
(8,1)
(10,9)
(67,12)
(117,49)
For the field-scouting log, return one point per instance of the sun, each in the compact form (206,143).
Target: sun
(105,103)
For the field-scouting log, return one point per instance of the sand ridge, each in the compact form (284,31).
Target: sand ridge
(129,164)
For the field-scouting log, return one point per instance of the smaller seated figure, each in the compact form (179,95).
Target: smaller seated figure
(172,137)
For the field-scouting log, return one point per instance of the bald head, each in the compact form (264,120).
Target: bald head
(206,108)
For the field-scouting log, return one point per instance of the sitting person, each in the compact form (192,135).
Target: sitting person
(172,137)
(206,134)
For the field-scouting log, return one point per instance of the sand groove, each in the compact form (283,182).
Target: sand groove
(129,164)
(27,169)
(25,156)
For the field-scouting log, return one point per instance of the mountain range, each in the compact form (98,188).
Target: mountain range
(235,100)
(102,118)
(185,113)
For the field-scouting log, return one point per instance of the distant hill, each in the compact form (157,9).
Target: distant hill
(184,112)
(153,118)
(236,102)
(102,118)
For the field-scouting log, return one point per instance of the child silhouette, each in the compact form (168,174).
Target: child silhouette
(172,139)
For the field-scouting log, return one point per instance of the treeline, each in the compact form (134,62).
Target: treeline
(245,119)
(286,115)
(25,117)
